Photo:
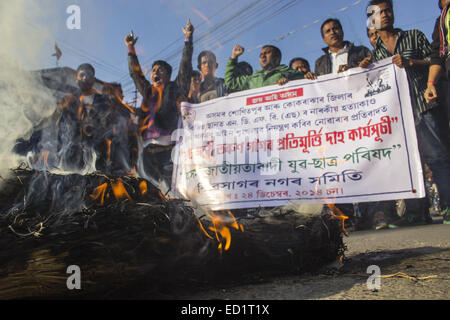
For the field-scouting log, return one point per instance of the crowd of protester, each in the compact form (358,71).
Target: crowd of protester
(426,64)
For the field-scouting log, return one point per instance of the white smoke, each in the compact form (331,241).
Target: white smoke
(24,102)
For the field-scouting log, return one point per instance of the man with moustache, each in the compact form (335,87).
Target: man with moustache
(411,50)
(272,71)
(339,55)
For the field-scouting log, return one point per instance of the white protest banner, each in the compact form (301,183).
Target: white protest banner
(340,139)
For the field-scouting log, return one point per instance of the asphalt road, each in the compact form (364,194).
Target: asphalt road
(414,263)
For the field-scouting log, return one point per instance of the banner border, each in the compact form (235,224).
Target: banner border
(321,199)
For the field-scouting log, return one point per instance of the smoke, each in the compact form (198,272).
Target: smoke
(24,102)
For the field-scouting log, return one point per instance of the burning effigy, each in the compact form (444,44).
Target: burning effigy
(81,197)
(77,192)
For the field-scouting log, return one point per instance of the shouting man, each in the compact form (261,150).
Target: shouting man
(160,110)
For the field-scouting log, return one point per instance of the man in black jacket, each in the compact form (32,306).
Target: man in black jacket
(339,55)
(161,104)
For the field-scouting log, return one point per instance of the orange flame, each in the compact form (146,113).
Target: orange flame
(123,103)
(203,229)
(119,190)
(221,229)
(108,152)
(337,213)
(128,107)
(226,234)
(163,197)
(235,225)
(143,187)
(80,110)
(99,192)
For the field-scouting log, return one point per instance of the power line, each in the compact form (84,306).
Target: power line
(236,32)
(264,19)
(238,23)
(179,39)
(280,38)
(246,13)
(284,36)
(104,66)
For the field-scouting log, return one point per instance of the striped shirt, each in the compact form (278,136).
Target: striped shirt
(411,44)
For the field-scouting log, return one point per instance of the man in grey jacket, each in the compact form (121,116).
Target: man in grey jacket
(339,55)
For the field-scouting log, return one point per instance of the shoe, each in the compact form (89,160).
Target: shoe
(402,222)
(380,220)
(446,214)
(406,222)
(381,225)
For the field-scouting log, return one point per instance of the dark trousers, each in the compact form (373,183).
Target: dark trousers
(158,163)
(434,149)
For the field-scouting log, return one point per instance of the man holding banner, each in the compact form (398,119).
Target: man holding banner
(310,141)
(411,50)
(272,71)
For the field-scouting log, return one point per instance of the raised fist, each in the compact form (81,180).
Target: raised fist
(130,40)
(189,29)
(237,51)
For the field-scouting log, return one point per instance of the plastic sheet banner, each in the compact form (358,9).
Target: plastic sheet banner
(340,139)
